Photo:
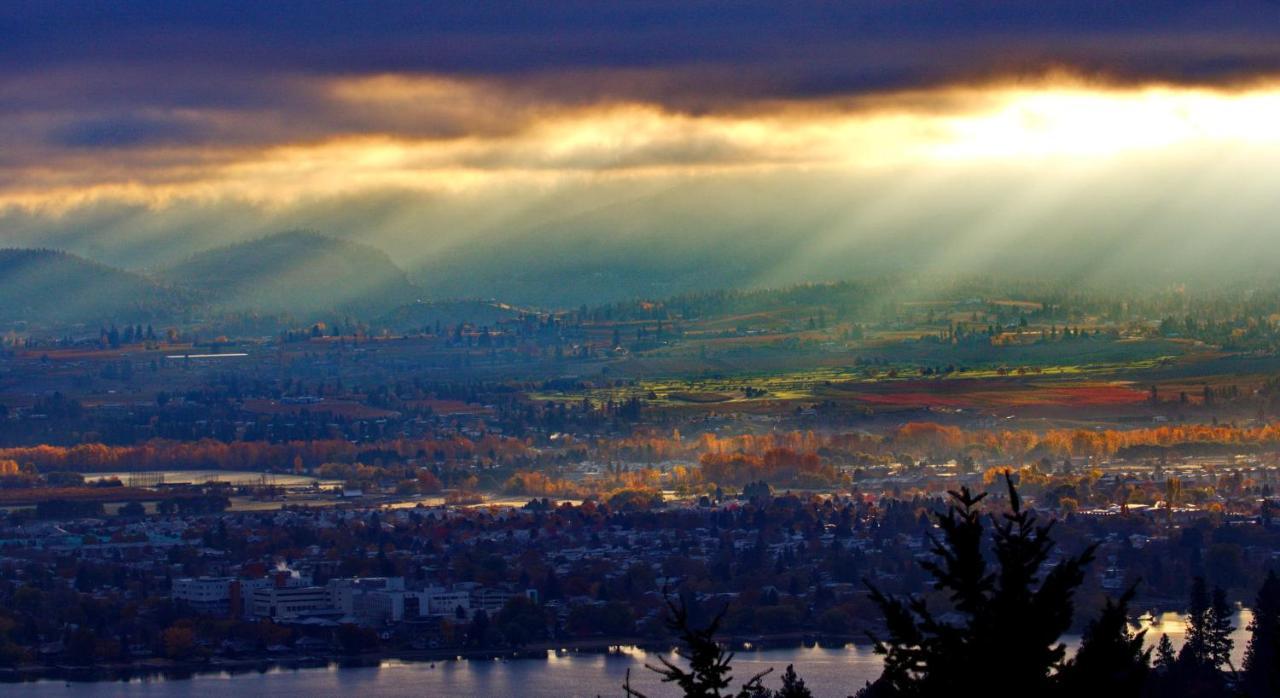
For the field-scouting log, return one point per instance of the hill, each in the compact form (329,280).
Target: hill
(448,313)
(51,287)
(297,272)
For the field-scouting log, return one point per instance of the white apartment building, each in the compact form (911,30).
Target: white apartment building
(438,601)
(208,594)
(288,603)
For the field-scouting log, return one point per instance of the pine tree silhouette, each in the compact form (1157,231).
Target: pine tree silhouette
(1195,649)
(1166,657)
(1220,628)
(710,669)
(1207,647)
(792,685)
(1111,659)
(1261,671)
(1013,617)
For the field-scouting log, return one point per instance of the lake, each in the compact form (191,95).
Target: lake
(830,672)
(834,671)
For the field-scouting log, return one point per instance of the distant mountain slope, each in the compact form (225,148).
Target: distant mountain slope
(425,314)
(48,286)
(296,272)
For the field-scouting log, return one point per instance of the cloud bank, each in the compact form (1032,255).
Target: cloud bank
(645,147)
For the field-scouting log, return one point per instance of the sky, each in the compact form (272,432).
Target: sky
(559,151)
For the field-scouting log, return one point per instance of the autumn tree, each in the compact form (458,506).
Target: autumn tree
(179,642)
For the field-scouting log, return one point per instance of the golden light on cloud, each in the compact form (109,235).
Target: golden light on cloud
(448,136)
(1079,122)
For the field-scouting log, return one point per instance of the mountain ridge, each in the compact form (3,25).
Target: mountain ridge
(296,271)
(41,284)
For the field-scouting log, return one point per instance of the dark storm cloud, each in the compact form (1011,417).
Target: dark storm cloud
(124,131)
(87,75)
(696,54)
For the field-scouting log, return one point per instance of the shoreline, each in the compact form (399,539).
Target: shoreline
(167,669)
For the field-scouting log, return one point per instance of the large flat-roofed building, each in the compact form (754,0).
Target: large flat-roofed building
(207,594)
(445,603)
(346,591)
(218,595)
(288,603)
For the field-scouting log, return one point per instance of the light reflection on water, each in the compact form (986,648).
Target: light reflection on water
(1175,626)
(829,671)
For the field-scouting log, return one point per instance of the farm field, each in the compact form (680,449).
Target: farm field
(1088,385)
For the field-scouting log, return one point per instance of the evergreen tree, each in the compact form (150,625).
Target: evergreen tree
(1111,659)
(1262,658)
(1207,646)
(710,671)
(792,685)
(1013,618)
(1220,628)
(1195,650)
(1166,658)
